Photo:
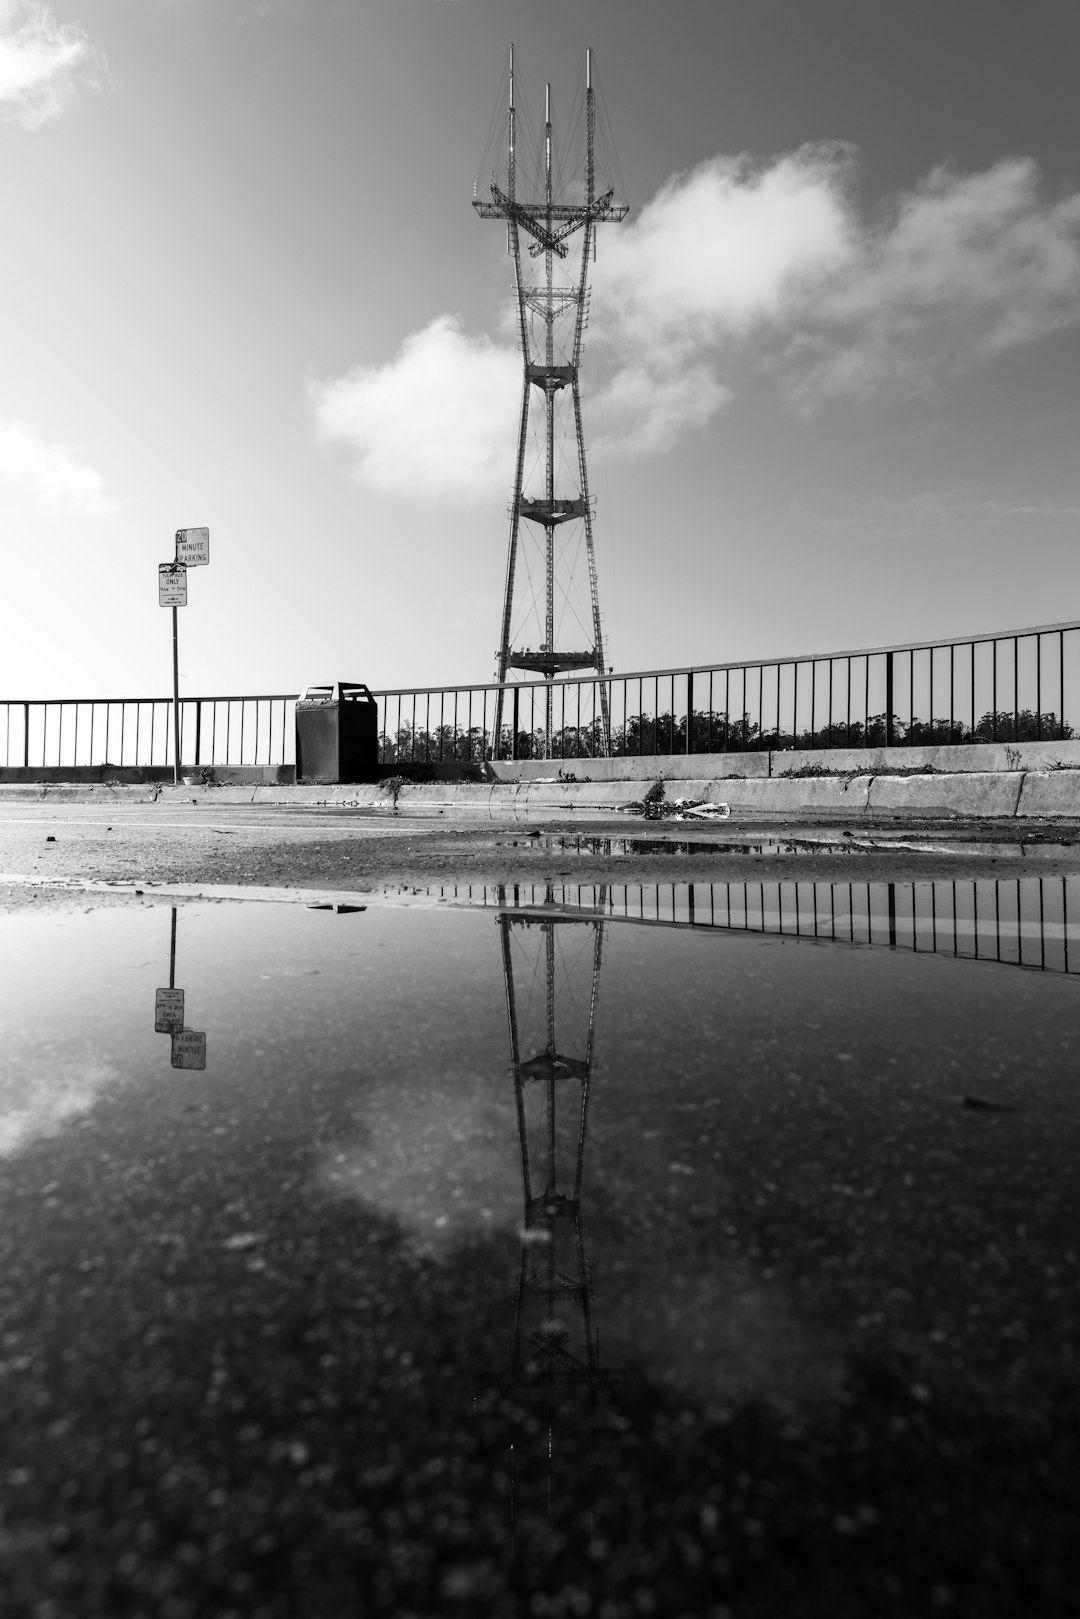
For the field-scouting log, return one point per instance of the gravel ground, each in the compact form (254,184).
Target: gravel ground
(267,846)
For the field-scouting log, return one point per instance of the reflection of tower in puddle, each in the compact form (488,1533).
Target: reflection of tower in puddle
(551,968)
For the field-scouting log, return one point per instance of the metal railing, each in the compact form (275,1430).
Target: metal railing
(1015,686)
(130,732)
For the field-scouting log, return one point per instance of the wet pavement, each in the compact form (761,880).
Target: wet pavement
(550,1246)
(50,842)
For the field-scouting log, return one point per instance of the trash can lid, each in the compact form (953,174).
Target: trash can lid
(336,691)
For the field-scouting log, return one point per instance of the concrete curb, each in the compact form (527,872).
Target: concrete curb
(967,794)
(844,795)
(1052,793)
(1005,795)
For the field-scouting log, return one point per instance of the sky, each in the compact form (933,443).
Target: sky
(832,371)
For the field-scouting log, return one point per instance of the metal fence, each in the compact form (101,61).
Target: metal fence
(1016,686)
(127,732)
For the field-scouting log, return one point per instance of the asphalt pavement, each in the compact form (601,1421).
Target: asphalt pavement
(51,844)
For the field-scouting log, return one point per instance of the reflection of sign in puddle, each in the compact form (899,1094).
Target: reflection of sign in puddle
(168,1010)
(188,1046)
(189,1049)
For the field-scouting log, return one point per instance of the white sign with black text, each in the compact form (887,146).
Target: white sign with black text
(172,584)
(193,547)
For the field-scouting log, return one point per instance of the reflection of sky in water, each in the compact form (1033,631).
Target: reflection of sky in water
(40,1094)
(735,1072)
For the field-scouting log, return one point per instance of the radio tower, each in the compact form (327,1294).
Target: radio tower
(552,359)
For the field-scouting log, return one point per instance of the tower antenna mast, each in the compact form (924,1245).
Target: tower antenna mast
(552,365)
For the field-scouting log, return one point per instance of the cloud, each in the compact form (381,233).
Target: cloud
(963,268)
(433,420)
(262,9)
(51,472)
(718,254)
(732,266)
(44,64)
(721,249)
(652,401)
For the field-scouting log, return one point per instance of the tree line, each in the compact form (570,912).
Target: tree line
(711,732)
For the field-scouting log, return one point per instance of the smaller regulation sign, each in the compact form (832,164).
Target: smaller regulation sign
(168,1011)
(172,584)
(189,1049)
(193,546)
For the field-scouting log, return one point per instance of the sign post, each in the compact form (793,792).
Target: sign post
(192,550)
(176,696)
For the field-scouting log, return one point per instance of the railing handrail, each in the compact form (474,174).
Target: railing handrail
(992,687)
(748,663)
(166,697)
(595,677)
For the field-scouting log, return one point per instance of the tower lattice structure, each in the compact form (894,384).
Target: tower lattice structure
(552,310)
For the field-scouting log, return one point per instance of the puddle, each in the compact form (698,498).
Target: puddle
(431,1250)
(660,845)
(617,847)
(1031,922)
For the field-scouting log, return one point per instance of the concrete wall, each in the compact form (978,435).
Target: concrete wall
(648,767)
(676,767)
(997,782)
(681,771)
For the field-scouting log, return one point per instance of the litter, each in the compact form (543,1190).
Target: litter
(679,809)
(688,810)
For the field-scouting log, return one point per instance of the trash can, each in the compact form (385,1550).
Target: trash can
(337,733)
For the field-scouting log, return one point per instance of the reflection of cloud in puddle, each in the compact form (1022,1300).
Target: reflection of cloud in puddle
(38,1098)
(721,1337)
(438,1152)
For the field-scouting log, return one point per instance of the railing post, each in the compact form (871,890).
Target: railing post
(26,736)
(690,712)
(888,699)
(514,735)
(198,731)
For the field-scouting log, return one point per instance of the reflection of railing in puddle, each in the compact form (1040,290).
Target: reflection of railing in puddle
(1021,921)
(551,972)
